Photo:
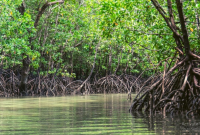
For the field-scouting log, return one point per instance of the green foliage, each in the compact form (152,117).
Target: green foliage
(131,32)
(15,39)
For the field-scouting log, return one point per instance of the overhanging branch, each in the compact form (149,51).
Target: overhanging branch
(161,11)
(183,26)
(41,10)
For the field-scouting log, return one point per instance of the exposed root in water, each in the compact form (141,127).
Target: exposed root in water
(176,91)
(108,84)
(42,86)
(54,85)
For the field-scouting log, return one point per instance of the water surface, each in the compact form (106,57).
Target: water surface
(85,115)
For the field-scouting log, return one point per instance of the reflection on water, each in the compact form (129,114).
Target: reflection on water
(94,114)
(178,125)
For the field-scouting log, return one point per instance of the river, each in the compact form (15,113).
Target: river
(85,115)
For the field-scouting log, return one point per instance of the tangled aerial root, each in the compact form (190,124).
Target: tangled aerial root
(117,84)
(176,91)
(108,84)
(36,86)
(54,85)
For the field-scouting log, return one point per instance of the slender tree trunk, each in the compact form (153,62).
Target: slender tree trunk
(24,75)
(88,78)
(186,43)
(118,64)
(106,65)
(110,62)
(1,64)
(26,61)
(198,23)
(71,65)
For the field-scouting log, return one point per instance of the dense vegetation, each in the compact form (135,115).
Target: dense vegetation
(63,47)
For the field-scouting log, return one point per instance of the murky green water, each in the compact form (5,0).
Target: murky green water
(84,115)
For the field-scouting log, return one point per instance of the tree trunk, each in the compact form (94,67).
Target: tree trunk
(110,62)
(26,61)
(118,64)
(24,75)
(183,27)
(1,64)
(198,23)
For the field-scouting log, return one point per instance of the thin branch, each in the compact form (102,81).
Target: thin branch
(41,10)
(179,4)
(158,7)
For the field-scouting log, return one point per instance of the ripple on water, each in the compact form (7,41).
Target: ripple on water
(94,114)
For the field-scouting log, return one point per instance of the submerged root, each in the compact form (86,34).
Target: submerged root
(40,86)
(55,85)
(117,84)
(108,84)
(175,91)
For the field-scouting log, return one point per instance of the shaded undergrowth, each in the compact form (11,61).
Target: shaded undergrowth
(53,85)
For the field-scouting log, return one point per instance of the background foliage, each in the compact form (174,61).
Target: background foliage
(129,35)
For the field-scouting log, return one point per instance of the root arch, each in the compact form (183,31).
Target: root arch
(175,91)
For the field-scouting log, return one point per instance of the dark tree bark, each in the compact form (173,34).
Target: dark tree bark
(43,8)
(26,61)
(1,63)
(198,23)
(183,26)
(24,75)
(21,9)
(110,62)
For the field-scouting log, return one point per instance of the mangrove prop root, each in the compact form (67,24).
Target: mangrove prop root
(175,91)
(56,85)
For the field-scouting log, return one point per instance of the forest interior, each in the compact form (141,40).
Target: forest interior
(150,47)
